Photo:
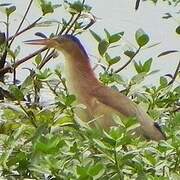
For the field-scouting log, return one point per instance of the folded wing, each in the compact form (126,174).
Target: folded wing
(123,105)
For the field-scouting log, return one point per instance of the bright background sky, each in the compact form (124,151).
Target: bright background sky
(115,16)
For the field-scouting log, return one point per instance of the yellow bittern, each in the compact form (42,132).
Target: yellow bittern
(101,101)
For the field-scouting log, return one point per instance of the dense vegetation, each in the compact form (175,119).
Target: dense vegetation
(48,141)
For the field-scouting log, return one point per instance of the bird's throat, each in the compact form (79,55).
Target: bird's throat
(79,74)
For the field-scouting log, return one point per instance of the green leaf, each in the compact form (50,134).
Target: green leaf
(64,121)
(138,78)
(16,92)
(143,68)
(178,30)
(45,116)
(177,90)
(131,123)
(115,37)
(38,59)
(141,38)
(69,99)
(118,78)
(82,172)
(96,36)
(130,54)
(108,139)
(47,145)
(101,145)
(43,74)
(177,118)
(102,47)
(115,133)
(17,51)
(46,7)
(107,57)
(11,53)
(147,65)
(10,10)
(96,171)
(10,114)
(77,6)
(138,67)
(114,60)
(163,81)
(107,33)
(110,60)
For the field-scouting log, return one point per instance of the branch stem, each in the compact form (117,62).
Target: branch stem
(128,62)
(22,21)
(175,74)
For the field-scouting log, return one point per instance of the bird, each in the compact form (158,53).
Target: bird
(101,101)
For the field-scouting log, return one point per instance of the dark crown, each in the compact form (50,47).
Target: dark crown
(75,40)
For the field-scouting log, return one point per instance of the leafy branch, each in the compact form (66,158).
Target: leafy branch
(128,62)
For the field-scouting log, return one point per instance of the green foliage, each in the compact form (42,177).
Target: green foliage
(103,46)
(143,68)
(178,30)
(10,10)
(141,38)
(77,7)
(46,7)
(46,140)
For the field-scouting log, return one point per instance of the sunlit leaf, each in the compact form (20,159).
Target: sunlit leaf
(129,53)
(102,47)
(16,92)
(96,36)
(38,59)
(141,38)
(115,37)
(10,10)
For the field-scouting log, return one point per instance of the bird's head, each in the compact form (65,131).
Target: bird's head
(65,43)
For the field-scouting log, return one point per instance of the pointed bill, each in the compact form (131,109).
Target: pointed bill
(46,42)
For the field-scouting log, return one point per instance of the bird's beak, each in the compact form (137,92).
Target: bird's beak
(47,42)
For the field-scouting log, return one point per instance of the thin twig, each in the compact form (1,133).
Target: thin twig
(137,4)
(3,58)
(25,29)
(77,17)
(21,23)
(28,114)
(50,55)
(64,27)
(117,164)
(17,63)
(53,90)
(127,63)
(70,24)
(175,74)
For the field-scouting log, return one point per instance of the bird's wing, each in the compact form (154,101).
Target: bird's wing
(128,108)
(115,100)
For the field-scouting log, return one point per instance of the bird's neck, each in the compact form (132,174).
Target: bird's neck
(79,74)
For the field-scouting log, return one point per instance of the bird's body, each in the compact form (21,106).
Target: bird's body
(101,101)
